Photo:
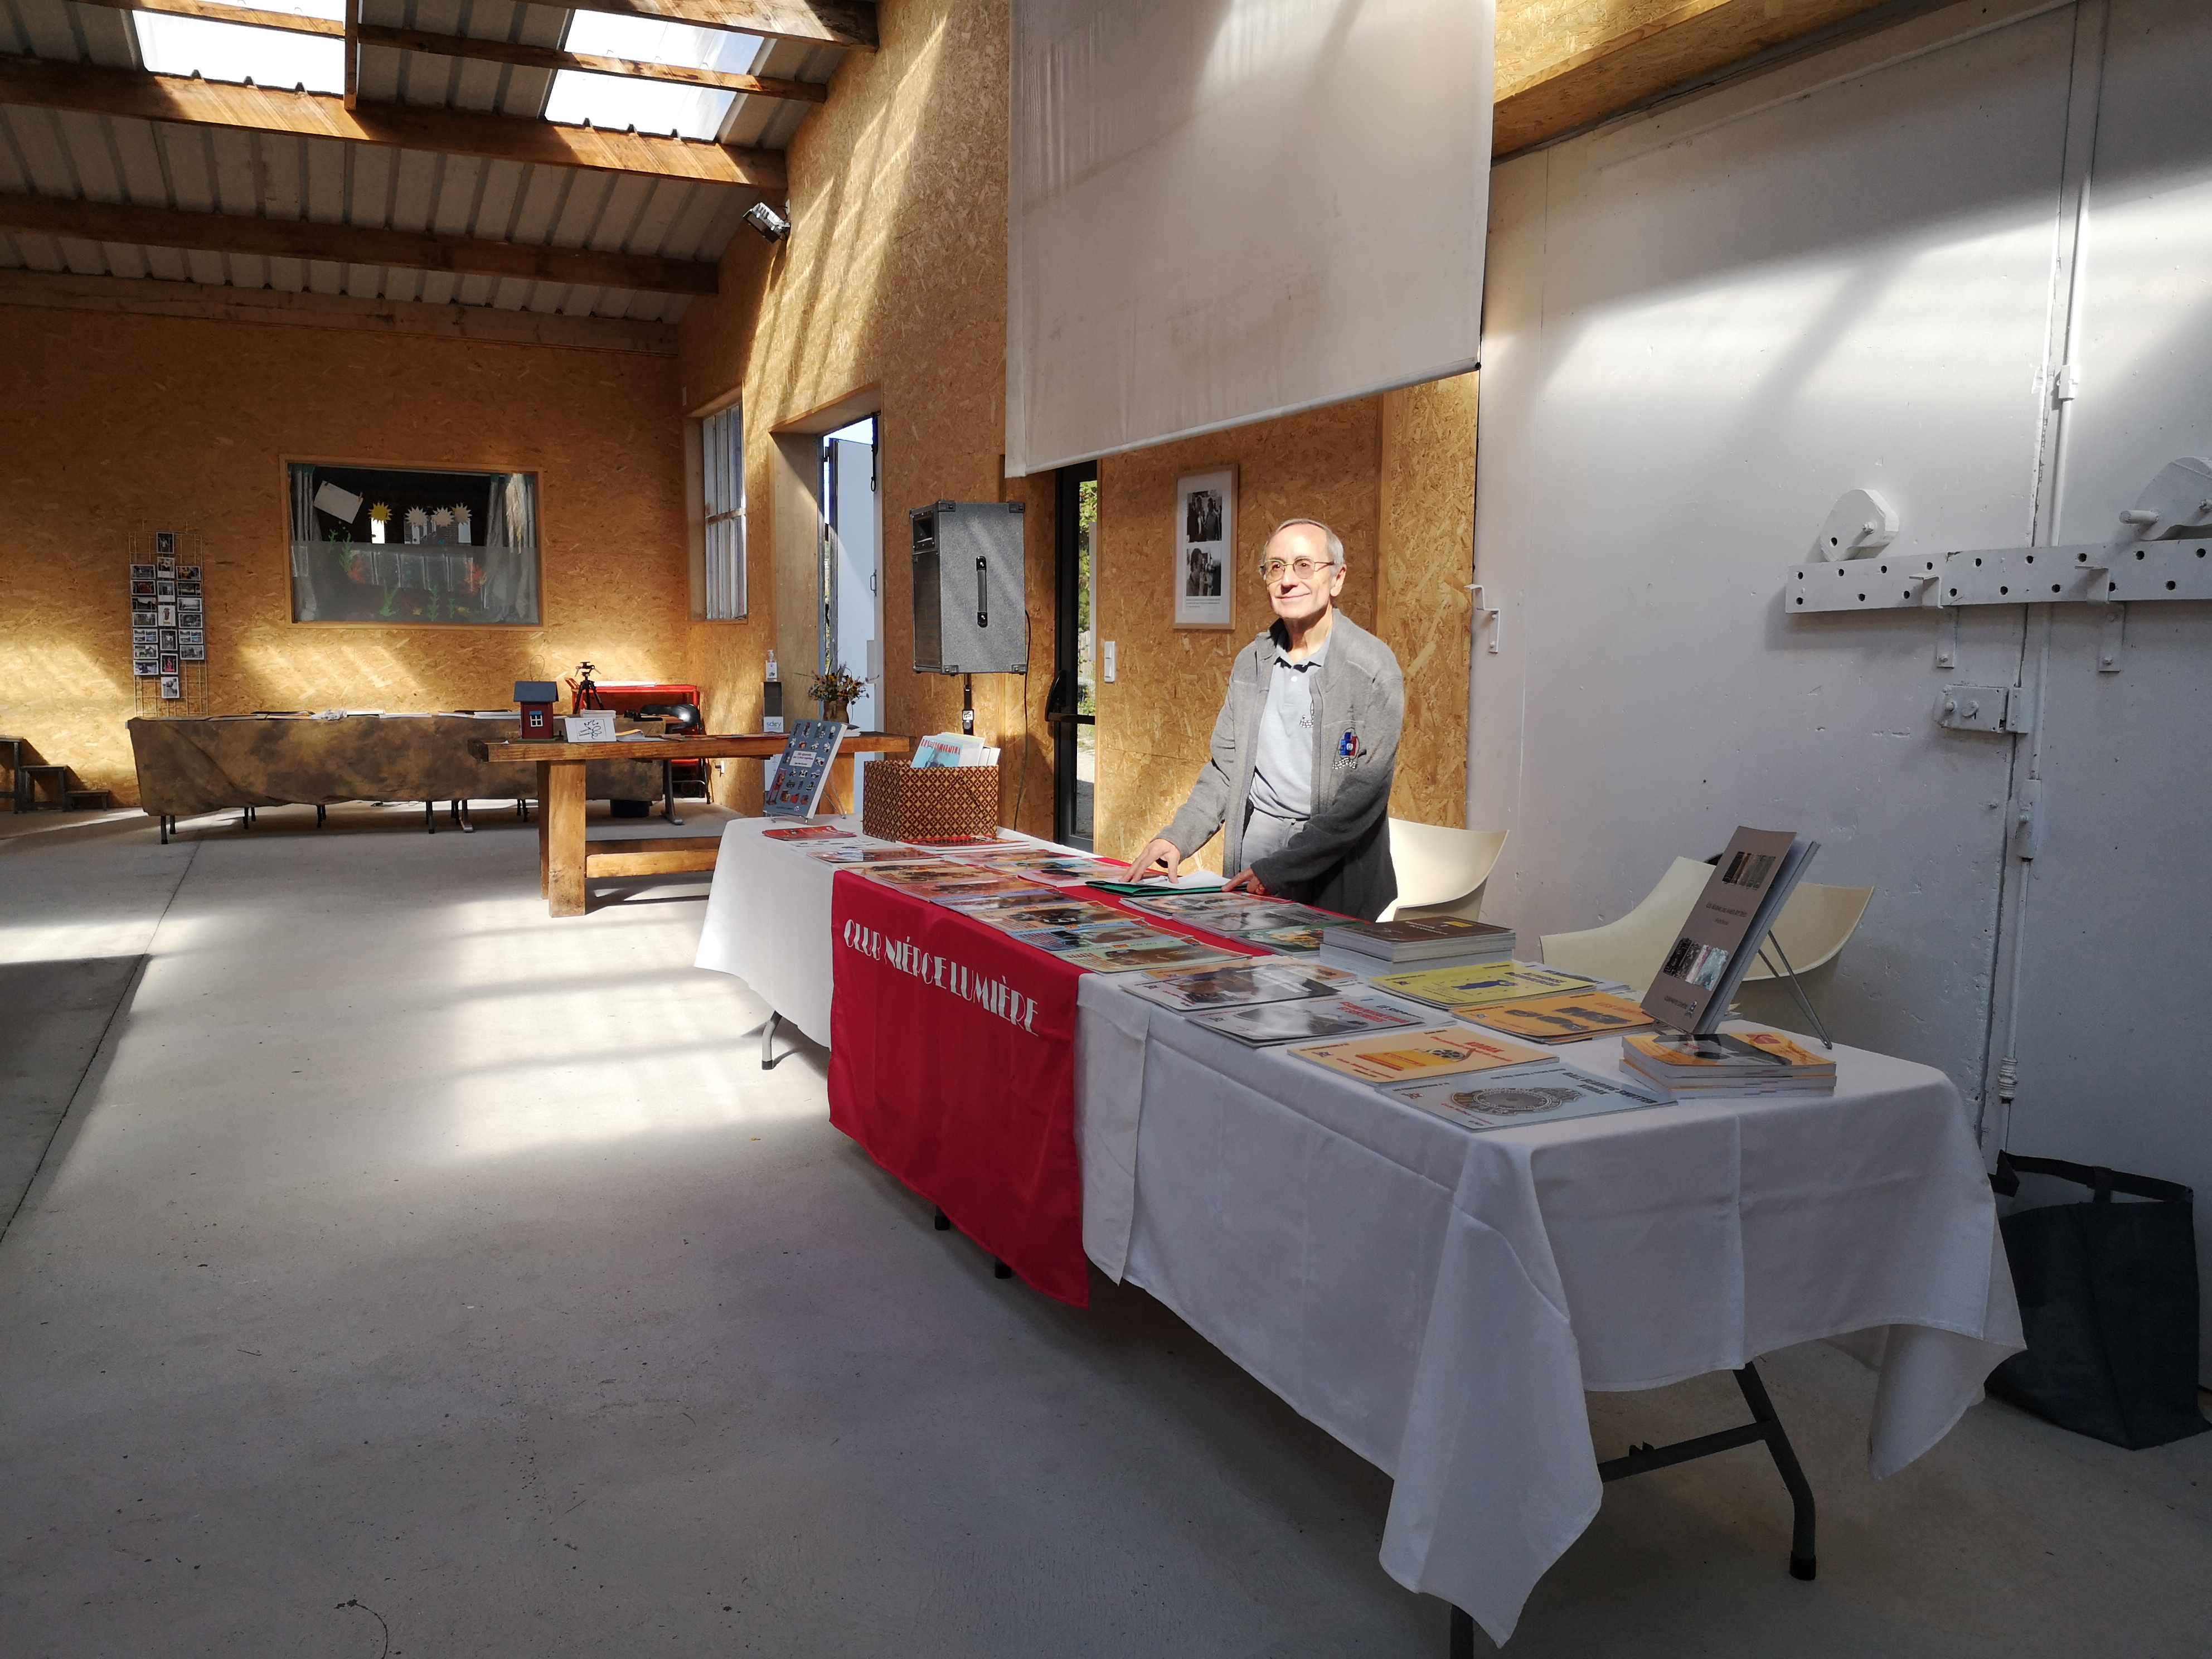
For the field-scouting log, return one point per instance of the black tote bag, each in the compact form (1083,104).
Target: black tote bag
(2108,1300)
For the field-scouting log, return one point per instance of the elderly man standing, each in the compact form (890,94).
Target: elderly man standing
(1305,747)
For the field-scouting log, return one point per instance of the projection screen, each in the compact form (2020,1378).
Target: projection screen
(1225,209)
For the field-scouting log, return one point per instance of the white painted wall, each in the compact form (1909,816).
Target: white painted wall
(1705,325)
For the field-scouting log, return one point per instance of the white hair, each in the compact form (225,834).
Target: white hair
(1335,544)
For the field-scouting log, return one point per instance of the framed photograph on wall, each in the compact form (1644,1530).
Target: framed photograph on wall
(1205,548)
(469,541)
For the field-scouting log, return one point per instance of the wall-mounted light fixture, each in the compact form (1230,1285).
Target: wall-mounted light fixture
(766,220)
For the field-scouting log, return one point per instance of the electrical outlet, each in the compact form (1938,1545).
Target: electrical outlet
(1107,654)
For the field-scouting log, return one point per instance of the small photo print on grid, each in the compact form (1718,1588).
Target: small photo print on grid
(172,687)
(164,616)
(165,543)
(143,617)
(144,640)
(169,663)
(145,667)
(189,604)
(188,573)
(165,590)
(165,639)
(195,647)
(143,590)
(141,573)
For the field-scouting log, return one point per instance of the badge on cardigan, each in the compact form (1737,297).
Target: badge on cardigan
(1348,748)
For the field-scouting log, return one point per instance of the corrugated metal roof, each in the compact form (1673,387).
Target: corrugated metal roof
(206,169)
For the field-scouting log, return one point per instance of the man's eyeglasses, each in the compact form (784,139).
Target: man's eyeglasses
(1273,570)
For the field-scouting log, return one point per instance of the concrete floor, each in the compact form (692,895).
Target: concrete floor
(415,1275)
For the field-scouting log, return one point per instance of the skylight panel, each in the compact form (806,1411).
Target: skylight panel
(238,51)
(649,105)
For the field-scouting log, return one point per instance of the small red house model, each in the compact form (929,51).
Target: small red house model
(536,699)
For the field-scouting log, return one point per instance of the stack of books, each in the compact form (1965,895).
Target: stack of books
(1693,1068)
(1427,941)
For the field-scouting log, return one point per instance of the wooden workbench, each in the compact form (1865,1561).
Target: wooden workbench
(565,862)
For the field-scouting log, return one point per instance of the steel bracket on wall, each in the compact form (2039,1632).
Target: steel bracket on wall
(2163,550)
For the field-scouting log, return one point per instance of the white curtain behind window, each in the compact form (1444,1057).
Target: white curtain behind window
(511,551)
(1225,209)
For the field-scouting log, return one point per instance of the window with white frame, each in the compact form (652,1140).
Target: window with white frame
(722,474)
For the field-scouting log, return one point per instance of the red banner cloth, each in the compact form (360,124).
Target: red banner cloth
(952,1062)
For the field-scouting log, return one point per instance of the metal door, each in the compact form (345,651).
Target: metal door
(2115,943)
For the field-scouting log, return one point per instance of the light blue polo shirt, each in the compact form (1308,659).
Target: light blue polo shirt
(1282,775)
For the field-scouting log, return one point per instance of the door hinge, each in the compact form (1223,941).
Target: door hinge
(2027,819)
(2066,384)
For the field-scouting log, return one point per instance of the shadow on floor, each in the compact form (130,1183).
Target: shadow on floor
(60,1013)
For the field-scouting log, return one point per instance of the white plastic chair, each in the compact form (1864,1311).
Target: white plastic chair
(1441,871)
(1812,928)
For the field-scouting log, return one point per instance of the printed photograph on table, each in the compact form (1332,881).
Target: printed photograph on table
(1205,548)
(1574,1018)
(1255,981)
(1538,1095)
(869,855)
(925,883)
(1481,984)
(1068,941)
(1292,1022)
(1426,1054)
(1126,958)
(1018,918)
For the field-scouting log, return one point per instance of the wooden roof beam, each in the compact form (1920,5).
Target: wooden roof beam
(470,46)
(818,23)
(188,100)
(302,239)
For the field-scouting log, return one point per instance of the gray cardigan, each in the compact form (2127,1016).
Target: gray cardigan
(1341,861)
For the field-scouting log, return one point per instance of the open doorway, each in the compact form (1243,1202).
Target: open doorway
(1073,708)
(851,565)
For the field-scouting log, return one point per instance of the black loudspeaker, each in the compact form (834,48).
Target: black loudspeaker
(970,590)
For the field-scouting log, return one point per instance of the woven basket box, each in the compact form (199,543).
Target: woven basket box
(933,802)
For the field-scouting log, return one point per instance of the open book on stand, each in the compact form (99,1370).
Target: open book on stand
(1699,976)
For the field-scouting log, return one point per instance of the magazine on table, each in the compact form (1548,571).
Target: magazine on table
(1746,1060)
(1719,941)
(878,853)
(1454,1048)
(924,882)
(1574,1018)
(1050,912)
(1230,914)
(1170,953)
(807,832)
(1059,872)
(1508,1099)
(1308,1021)
(1483,984)
(1257,980)
(1287,939)
(803,772)
(1069,941)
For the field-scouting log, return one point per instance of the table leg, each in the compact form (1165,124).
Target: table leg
(837,793)
(544,789)
(1463,1635)
(564,837)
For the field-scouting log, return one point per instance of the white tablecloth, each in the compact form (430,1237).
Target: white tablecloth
(1440,1300)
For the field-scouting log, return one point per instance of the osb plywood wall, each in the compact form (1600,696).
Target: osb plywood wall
(893,284)
(110,419)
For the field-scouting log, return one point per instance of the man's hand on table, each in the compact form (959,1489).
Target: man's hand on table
(1159,858)
(1246,883)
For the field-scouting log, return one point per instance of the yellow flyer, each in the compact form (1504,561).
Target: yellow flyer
(1402,1059)
(1567,1019)
(1477,986)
